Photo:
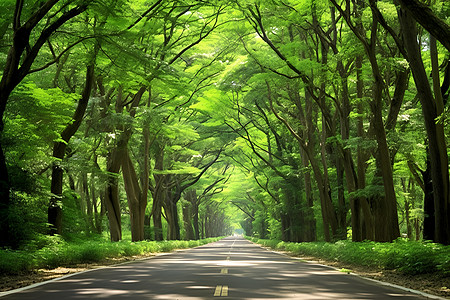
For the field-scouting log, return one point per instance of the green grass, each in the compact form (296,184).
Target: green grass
(58,252)
(408,257)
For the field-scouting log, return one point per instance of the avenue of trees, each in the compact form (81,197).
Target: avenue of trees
(299,120)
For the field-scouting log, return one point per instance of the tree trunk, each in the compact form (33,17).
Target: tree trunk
(157,220)
(59,149)
(385,208)
(112,201)
(170,207)
(425,16)
(187,217)
(137,195)
(190,215)
(431,108)
(133,192)
(158,194)
(428,203)
(310,221)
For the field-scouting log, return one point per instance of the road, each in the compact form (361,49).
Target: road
(232,268)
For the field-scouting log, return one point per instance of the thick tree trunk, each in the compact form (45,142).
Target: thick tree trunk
(423,14)
(137,195)
(170,207)
(363,215)
(133,192)
(187,217)
(112,201)
(116,157)
(431,108)
(385,208)
(190,215)
(113,208)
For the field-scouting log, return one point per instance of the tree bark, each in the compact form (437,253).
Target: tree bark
(158,194)
(59,149)
(190,215)
(428,19)
(435,132)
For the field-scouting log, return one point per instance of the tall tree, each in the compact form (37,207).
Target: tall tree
(59,150)
(432,107)
(28,39)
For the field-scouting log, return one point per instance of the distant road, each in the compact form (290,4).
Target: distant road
(232,268)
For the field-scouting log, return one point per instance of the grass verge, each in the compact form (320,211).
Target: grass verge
(61,253)
(408,257)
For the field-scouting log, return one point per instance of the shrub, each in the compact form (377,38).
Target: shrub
(58,253)
(406,256)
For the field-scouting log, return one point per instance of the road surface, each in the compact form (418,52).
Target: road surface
(232,268)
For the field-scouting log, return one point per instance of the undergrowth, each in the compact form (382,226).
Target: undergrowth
(408,257)
(60,253)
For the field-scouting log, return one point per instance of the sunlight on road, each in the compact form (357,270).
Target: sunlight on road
(232,268)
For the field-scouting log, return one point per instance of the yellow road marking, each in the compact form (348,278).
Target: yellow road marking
(218,291)
(224,271)
(228,258)
(221,291)
(225,290)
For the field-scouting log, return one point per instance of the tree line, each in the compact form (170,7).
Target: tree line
(304,120)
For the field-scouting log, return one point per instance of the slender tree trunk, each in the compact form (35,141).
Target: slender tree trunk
(5,231)
(87,199)
(158,194)
(59,149)
(428,203)
(310,221)
(157,221)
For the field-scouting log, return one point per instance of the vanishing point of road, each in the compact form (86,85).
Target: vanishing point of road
(232,268)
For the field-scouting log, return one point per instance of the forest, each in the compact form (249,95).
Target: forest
(291,120)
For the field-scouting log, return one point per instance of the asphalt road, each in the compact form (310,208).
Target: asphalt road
(232,268)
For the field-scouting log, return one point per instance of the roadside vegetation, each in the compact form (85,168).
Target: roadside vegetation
(53,251)
(408,257)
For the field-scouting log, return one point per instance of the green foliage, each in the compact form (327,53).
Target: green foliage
(58,252)
(408,257)
(26,217)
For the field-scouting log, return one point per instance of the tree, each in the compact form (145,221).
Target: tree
(59,149)
(432,107)
(21,55)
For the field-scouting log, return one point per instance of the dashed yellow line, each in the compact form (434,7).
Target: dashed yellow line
(225,290)
(221,291)
(218,291)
